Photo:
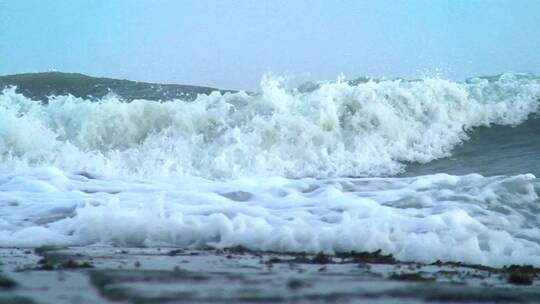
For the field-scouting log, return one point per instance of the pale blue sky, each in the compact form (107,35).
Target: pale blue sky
(231,44)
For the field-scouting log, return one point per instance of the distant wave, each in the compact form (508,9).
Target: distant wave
(40,86)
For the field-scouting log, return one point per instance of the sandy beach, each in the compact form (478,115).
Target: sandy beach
(169,275)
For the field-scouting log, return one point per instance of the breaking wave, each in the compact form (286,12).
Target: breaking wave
(371,128)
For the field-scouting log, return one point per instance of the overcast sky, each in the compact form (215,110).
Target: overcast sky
(231,44)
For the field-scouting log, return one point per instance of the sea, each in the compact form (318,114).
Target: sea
(425,170)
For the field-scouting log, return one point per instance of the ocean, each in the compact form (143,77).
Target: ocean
(424,170)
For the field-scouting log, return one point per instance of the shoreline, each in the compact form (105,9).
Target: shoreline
(169,275)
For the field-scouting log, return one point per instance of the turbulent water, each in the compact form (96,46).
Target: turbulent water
(425,170)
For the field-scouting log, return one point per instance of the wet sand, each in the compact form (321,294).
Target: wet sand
(169,275)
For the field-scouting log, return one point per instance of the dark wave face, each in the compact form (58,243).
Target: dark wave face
(495,150)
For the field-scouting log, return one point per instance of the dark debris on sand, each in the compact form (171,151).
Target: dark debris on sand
(7,283)
(376,257)
(52,259)
(410,277)
(521,275)
(16,300)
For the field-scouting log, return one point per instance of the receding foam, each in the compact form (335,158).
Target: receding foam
(471,219)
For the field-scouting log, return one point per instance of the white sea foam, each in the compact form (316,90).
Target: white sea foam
(473,219)
(266,171)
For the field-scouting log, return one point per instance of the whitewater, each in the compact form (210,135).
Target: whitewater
(286,170)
